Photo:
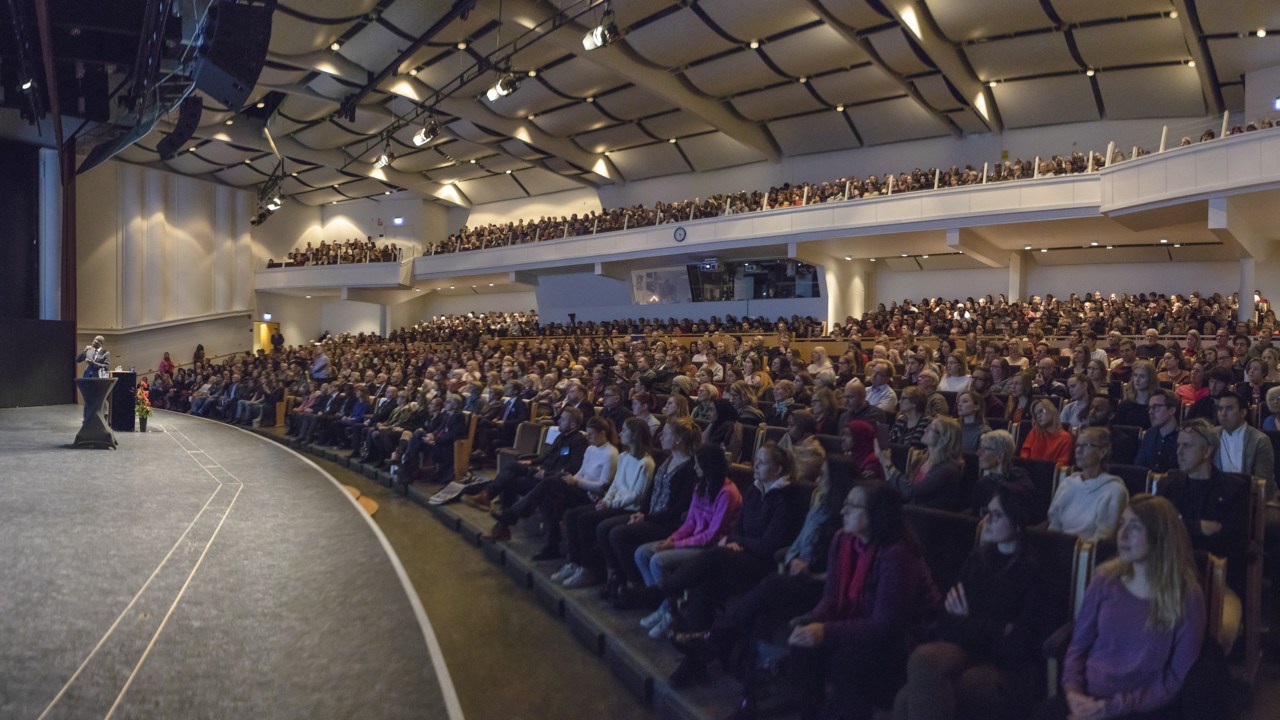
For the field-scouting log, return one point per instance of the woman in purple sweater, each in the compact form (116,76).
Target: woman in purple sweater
(1142,624)
(713,512)
(850,652)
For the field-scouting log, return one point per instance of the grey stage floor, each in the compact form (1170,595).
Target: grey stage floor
(199,572)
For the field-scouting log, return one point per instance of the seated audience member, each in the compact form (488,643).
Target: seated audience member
(880,393)
(621,496)
(995,465)
(563,455)
(935,403)
(1141,627)
(1173,369)
(825,413)
(956,378)
(1088,502)
(801,444)
(1045,383)
(912,421)
(557,493)
(1214,508)
(499,427)
(992,404)
(1219,381)
(713,514)
(849,652)
(1018,406)
(704,409)
(973,423)
(1097,374)
(932,476)
(721,430)
(614,406)
(743,398)
(983,658)
(676,406)
(658,517)
(435,441)
(1241,448)
(783,403)
(1158,449)
(1255,386)
(1150,348)
(1080,392)
(1121,368)
(642,407)
(773,511)
(1046,439)
(856,406)
(1132,409)
(1273,407)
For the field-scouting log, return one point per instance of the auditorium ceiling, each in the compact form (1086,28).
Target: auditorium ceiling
(691,86)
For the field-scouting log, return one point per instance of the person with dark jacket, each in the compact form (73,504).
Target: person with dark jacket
(662,514)
(849,652)
(982,661)
(564,455)
(436,441)
(614,406)
(772,512)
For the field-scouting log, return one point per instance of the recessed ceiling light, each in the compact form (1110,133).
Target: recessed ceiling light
(1262,32)
(247,161)
(1089,72)
(671,140)
(1044,249)
(508,172)
(336,46)
(1164,241)
(308,297)
(839,108)
(848,257)
(1173,15)
(295,174)
(388,192)
(462,45)
(452,287)
(230,122)
(260,104)
(533,73)
(413,72)
(803,79)
(924,257)
(755,44)
(335,186)
(873,259)
(490,284)
(193,149)
(904,254)
(1026,247)
(473,161)
(1093,244)
(417,289)
(591,99)
(1191,63)
(1110,246)
(993,83)
(1177,244)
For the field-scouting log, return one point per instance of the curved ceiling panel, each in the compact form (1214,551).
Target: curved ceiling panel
(539,181)
(492,189)
(632,103)
(819,132)
(649,161)
(897,52)
(580,78)
(784,100)
(1078,11)
(306,107)
(959,21)
(613,138)
(675,125)
(1025,56)
(676,40)
(732,74)
(1234,57)
(1132,43)
(240,175)
(856,13)
(812,51)
(894,121)
(1237,17)
(1170,91)
(1046,101)
(715,150)
(373,47)
(295,36)
(532,97)
(571,120)
(937,92)
(858,85)
(757,19)
(326,136)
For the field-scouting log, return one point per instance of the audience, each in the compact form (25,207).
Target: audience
(1089,501)
(339,253)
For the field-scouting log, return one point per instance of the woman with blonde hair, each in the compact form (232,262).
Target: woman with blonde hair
(1142,624)
(1047,440)
(1133,400)
(932,476)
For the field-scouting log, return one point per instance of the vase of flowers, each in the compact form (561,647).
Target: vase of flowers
(142,405)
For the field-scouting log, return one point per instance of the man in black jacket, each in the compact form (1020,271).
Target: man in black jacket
(436,440)
(563,456)
(613,407)
(497,429)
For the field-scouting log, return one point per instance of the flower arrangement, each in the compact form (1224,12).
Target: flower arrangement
(142,407)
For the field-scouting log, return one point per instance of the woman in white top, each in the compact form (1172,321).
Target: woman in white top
(625,494)
(956,378)
(1088,502)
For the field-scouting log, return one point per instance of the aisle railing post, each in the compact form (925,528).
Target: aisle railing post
(1111,150)
(985,172)
(1164,135)
(1225,114)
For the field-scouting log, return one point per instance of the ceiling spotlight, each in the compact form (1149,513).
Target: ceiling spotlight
(1164,241)
(1110,246)
(1089,72)
(453,287)
(417,289)
(590,99)
(839,108)
(308,297)
(193,149)
(506,85)
(387,192)
(1044,249)
(672,140)
(462,45)
(1177,245)
(472,161)
(490,284)
(755,44)
(924,257)
(1026,247)
(230,122)
(873,259)
(803,79)
(260,105)
(386,158)
(1093,244)
(904,254)
(294,173)
(848,257)
(602,34)
(336,46)
(1191,63)
(27,85)
(1262,32)
(533,73)
(993,83)
(1173,15)
(413,72)
(508,172)
(428,133)
(247,161)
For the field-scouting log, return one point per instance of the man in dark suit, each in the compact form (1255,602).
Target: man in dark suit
(498,428)
(516,480)
(856,406)
(613,407)
(436,440)
(358,435)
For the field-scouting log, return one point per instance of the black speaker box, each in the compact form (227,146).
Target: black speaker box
(231,51)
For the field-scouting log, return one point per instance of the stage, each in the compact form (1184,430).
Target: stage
(198,571)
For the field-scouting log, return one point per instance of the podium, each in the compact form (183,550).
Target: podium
(123,399)
(94,431)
